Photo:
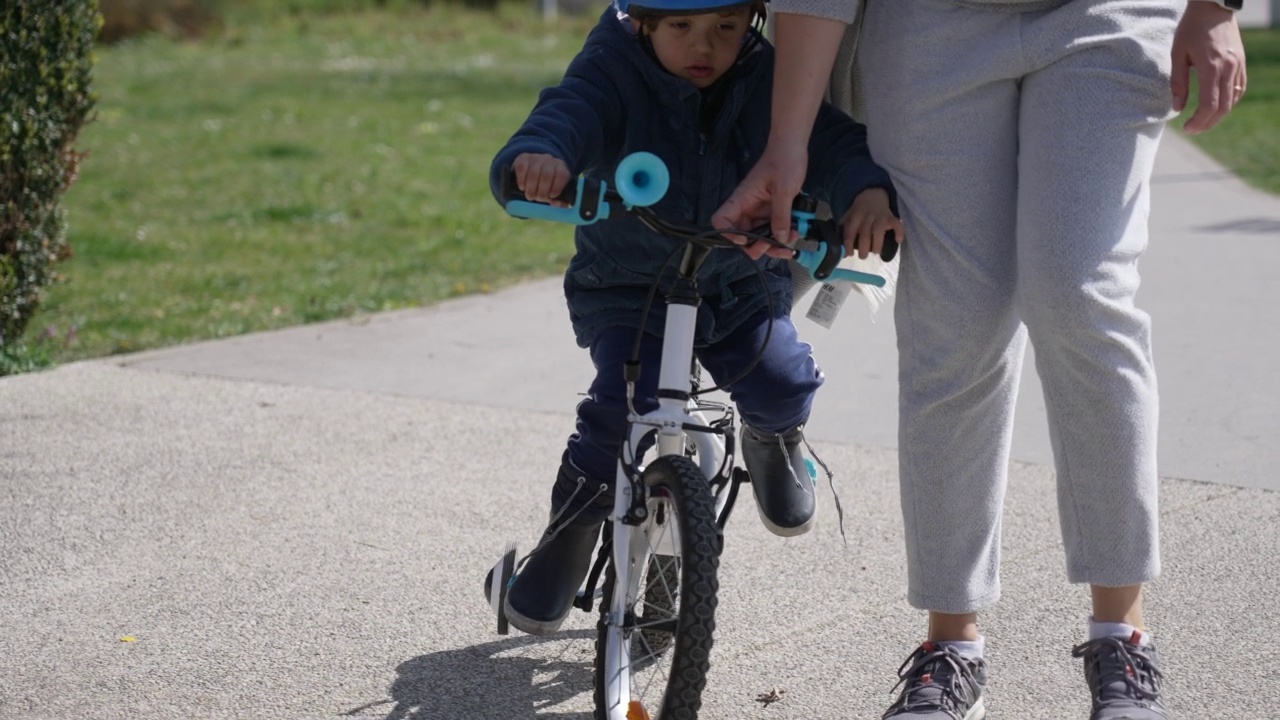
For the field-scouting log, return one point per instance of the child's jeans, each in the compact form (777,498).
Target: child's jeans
(774,397)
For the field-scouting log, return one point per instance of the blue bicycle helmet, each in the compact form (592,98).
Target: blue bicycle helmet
(640,8)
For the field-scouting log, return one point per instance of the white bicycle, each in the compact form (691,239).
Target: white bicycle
(661,546)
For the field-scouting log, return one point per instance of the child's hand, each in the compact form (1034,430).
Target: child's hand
(867,221)
(541,177)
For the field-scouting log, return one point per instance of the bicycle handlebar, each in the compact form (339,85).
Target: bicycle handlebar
(642,181)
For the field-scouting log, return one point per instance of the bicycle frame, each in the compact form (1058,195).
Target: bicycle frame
(669,420)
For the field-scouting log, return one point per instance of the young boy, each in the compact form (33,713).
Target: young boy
(690,81)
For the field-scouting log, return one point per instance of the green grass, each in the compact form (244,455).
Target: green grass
(297,169)
(300,167)
(1248,140)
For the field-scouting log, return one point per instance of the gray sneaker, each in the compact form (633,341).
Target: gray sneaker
(938,683)
(1124,678)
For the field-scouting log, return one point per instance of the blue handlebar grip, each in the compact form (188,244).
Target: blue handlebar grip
(542,211)
(573,215)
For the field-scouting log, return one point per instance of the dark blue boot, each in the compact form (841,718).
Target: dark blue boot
(780,479)
(542,593)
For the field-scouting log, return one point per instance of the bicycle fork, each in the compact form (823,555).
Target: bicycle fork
(631,548)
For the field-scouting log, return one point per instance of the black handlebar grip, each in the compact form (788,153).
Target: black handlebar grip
(509,189)
(827,231)
(890,249)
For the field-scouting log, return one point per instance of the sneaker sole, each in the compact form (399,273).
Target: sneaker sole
(978,711)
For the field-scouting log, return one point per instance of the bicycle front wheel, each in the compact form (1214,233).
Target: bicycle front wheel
(658,653)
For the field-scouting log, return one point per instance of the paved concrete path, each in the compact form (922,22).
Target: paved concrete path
(295,524)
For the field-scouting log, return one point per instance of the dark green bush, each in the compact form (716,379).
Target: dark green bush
(45,70)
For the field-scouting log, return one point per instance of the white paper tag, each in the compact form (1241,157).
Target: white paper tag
(827,303)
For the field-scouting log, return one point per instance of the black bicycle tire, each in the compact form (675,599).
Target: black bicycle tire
(701,544)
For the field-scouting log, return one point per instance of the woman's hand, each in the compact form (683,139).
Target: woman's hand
(764,197)
(1208,39)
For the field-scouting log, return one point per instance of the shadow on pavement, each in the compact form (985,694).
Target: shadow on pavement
(1191,177)
(1259,225)
(512,679)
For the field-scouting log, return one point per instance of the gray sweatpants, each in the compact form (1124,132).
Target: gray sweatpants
(1021,144)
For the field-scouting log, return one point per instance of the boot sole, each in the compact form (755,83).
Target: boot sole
(530,626)
(781,531)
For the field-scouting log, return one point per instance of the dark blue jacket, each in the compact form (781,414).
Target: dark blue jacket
(616,99)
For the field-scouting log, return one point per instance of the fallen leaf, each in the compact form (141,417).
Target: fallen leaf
(773,696)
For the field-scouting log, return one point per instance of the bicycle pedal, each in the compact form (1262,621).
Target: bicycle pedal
(497,583)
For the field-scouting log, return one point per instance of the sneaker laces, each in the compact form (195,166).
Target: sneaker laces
(1121,673)
(920,672)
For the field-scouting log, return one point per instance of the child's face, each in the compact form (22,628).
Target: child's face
(700,48)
